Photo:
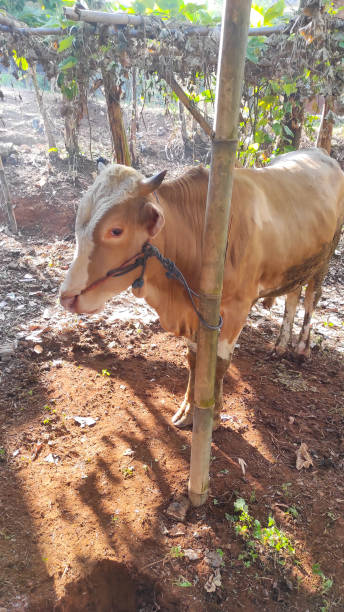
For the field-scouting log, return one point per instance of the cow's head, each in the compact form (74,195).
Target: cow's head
(116,216)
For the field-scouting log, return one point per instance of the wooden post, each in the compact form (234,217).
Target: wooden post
(47,125)
(326,126)
(12,223)
(133,123)
(113,94)
(235,21)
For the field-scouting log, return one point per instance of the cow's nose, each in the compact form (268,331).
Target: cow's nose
(68,302)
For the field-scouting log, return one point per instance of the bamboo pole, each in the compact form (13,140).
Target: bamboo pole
(235,20)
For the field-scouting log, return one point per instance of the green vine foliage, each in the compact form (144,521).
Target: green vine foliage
(272,93)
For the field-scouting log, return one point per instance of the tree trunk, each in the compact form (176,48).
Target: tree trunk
(189,104)
(12,223)
(47,125)
(113,94)
(70,127)
(183,129)
(293,121)
(326,126)
(133,124)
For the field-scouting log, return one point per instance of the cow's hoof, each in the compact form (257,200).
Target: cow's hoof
(183,416)
(303,350)
(280,351)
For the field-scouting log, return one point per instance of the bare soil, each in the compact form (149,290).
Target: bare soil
(83,521)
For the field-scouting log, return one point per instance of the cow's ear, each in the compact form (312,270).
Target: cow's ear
(153,219)
(152,183)
(101,164)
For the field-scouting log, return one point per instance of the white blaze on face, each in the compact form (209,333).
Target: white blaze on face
(113,186)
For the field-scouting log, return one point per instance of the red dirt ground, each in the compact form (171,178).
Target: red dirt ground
(88,534)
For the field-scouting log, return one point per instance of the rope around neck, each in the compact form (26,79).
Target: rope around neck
(172,272)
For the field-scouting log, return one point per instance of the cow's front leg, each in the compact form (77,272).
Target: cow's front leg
(184,415)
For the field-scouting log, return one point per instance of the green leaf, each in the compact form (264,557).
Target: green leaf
(289,88)
(254,47)
(183,583)
(68,63)
(65,43)
(277,128)
(240,505)
(288,131)
(275,11)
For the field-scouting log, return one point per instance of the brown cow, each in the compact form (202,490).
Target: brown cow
(285,223)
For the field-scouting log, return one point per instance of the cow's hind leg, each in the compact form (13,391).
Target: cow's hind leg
(313,293)
(286,331)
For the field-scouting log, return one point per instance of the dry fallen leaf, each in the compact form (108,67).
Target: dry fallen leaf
(191,554)
(38,348)
(243,465)
(213,581)
(303,458)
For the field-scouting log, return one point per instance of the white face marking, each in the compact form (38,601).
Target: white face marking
(112,186)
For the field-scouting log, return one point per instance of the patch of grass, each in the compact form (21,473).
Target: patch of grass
(257,537)
(326,583)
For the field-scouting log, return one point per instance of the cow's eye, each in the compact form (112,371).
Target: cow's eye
(117,231)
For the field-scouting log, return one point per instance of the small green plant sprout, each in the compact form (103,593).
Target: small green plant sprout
(331,517)
(257,536)
(275,538)
(182,582)
(128,472)
(47,408)
(215,501)
(114,518)
(176,552)
(105,372)
(221,554)
(252,499)
(326,583)
(286,488)
(2,453)
(30,392)
(292,510)
(244,523)
(46,422)
(224,471)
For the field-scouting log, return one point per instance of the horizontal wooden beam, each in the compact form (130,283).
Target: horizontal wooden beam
(101,17)
(125,19)
(36,31)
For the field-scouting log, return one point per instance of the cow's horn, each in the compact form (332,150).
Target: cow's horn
(153,182)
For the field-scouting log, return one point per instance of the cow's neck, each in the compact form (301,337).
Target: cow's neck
(183,203)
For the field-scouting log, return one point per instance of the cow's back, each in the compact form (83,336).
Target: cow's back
(284,216)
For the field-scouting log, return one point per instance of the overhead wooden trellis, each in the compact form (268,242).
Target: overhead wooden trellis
(178,52)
